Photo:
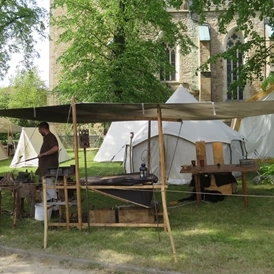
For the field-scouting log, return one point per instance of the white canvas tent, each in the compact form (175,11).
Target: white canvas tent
(29,145)
(179,141)
(114,144)
(3,153)
(259,131)
(6,126)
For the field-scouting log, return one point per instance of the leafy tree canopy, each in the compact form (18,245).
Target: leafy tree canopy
(4,97)
(27,90)
(116,49)
(21,22)
(256,51)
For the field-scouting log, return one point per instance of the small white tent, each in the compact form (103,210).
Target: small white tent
(3,153)
(6,126)
(114,144)
(179,141)
(29,145)
(258,131)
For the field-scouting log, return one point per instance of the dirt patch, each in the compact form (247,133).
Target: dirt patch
(13,260)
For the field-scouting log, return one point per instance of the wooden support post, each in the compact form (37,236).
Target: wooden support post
(149,147)
(77,174)
(163,178)
(44,182)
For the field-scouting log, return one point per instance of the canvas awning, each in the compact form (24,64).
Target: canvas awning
(109,112)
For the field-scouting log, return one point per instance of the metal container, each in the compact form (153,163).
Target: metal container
(244,162)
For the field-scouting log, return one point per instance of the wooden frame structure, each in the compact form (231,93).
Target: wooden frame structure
(218,167)
(78,187)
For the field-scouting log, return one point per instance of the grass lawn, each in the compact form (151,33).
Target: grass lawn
(222,237)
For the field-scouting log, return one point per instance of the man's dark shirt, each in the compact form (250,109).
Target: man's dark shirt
(47,161)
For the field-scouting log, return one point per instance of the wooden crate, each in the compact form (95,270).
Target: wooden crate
(134,214)
(102,216)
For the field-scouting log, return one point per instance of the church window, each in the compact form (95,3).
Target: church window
(171,56)
(231,65)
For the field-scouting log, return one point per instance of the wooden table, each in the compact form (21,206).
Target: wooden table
(197,170)
(15,189)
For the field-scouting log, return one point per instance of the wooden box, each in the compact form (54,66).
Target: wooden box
(135,214)
(102,216)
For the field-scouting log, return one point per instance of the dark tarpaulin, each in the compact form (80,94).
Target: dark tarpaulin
(142,197)
(109,112)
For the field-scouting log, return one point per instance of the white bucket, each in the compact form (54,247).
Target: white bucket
(39,212)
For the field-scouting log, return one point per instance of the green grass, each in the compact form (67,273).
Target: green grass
(224,237)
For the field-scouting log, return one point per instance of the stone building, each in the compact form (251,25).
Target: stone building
(207,86)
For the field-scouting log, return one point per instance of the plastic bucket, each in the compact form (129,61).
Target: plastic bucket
(39,212)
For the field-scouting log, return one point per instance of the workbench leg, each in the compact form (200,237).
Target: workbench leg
(244,189)
(15,207)
(198,189)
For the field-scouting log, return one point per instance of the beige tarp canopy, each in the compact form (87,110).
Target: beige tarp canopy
(7,126)
(108,112)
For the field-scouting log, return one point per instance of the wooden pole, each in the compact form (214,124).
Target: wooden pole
(77,174)
(45,212)
(66,201)
(148,147)
(163,178)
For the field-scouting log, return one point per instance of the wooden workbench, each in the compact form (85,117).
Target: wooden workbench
(197,170)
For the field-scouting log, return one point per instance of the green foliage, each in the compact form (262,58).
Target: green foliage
(4,97)
(267,171)
(115,49)
(20,21)
(247,14)
(268,81)
(28,90)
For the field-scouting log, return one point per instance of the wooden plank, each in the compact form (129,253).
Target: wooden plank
(125,225)
(218,155)
(218,158)
(131,214)
(201,152)
(102,216)
(222,168)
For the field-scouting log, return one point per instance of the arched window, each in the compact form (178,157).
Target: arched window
(171,56)
(231,64)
